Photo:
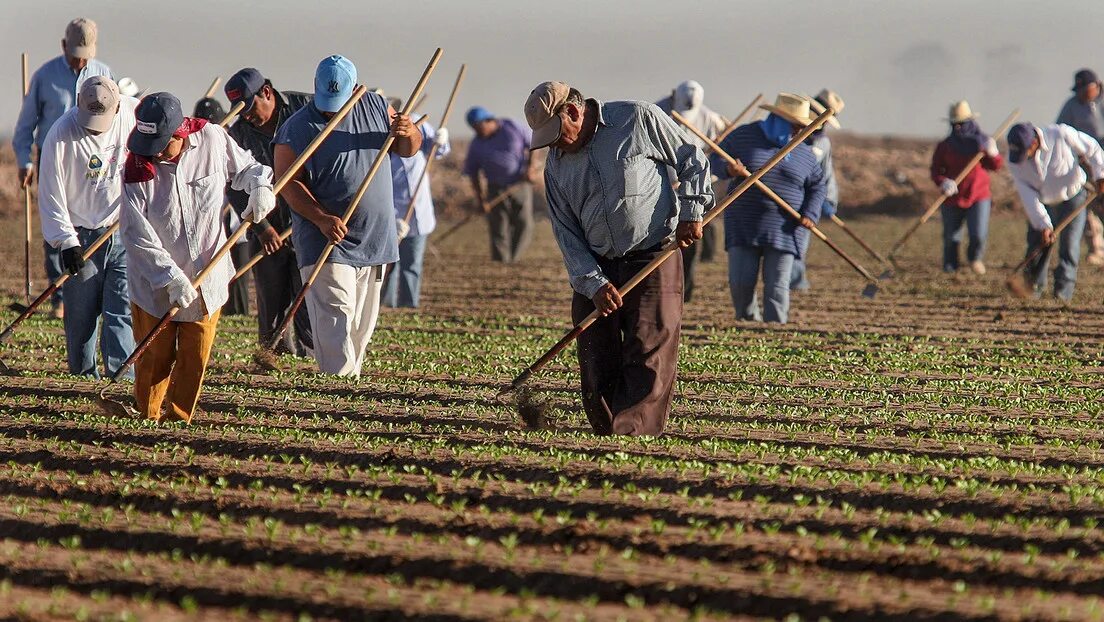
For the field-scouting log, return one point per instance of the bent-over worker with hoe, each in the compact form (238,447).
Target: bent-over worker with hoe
(613,209)
(173,192)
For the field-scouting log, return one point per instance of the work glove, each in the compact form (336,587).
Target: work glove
(180,291)
(73,259)
(991,147)
(261,202)
(403,227)
(949,187)
(441,139)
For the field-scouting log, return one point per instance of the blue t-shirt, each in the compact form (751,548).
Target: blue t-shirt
(334,172)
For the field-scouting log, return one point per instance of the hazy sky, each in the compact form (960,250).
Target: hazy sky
(897,64)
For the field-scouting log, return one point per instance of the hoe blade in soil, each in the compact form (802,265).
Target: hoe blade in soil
(17,307)
(870,290)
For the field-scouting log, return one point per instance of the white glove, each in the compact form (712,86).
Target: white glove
(991,148)
(261,202)
(403,227)
(180,291)
(949,187)
(442,136)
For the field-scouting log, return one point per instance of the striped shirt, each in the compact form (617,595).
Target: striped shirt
(754,219)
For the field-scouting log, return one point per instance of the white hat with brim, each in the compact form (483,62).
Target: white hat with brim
(793,108)
(818,108)
(97,103)
(831,99)
(961,112)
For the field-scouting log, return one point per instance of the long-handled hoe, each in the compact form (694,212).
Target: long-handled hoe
(265,355)
(117,408)
(531,410)
(872,286)
(28,311)
(1015,281)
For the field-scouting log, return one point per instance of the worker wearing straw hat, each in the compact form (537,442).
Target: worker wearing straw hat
(822,149)
(1084,112)
(688,100)
(968,202)
(79,193)
(759,236)
(1045,164)
(174,189)
(52,91)
(499,153)
(613,210)
(345,298)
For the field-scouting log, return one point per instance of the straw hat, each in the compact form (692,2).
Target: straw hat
(818,109)
(831,99)
(793,108)
(961,112)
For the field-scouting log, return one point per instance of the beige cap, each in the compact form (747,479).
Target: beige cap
(541,111)
(960,112)
(793,108)
(818,109)
(80,38)
(97,103)
(832,99)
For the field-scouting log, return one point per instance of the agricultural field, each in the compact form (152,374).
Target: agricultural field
(934,453)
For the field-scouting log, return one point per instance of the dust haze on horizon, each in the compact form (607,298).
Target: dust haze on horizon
(897,64)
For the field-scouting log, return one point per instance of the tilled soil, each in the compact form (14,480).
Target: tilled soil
(931,454)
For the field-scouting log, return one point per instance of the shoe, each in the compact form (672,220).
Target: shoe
(58,311)
(1095,259)
(977,267)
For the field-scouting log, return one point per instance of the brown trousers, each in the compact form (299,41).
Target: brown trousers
(174,364)
(628,359)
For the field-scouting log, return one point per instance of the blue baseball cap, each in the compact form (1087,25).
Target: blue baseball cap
(157,117)
(1020,139)
(334,81)
(478,114)
(243,87)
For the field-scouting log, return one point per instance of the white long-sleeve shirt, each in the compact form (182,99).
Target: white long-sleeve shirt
(80,176)
(172,223)
(1054,175)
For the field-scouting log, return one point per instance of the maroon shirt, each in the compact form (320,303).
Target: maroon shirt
(947,163)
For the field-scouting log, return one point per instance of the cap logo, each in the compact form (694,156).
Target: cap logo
(146,127)
(333,87)
(234,94)
(97,107)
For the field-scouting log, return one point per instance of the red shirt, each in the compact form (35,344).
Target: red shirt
(948,163)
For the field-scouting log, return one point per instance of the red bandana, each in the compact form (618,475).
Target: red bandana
(140,168)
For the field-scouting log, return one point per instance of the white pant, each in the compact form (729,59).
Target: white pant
(344,304)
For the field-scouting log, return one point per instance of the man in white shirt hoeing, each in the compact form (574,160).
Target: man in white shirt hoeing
(1044,162)
(173,192)
(79,193)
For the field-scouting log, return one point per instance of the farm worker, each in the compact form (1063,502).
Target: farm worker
(344,300)
(969,201)
(277,275)
(173,193)
(1044,162)
(209,109)
(404,283)
(80,191)
(1084,112)
(822,149)
(53,90)
(499,153)
(608,231)
(757,233)
(687,100)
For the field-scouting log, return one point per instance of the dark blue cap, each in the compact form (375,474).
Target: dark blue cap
(1083,78)
(157,117)
(1020,139)
(244,86)
(478,114)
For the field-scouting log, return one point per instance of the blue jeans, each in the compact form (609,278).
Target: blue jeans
(99,289)
(53,271)
(743,274)
(799,281)
(404,282)
(1069,249)
(976,218)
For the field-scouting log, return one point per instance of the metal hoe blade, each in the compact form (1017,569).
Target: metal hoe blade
(870,290)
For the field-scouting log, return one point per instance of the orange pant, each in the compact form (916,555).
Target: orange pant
(173,365)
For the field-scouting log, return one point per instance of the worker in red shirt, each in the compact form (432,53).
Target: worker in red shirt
(971,200)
